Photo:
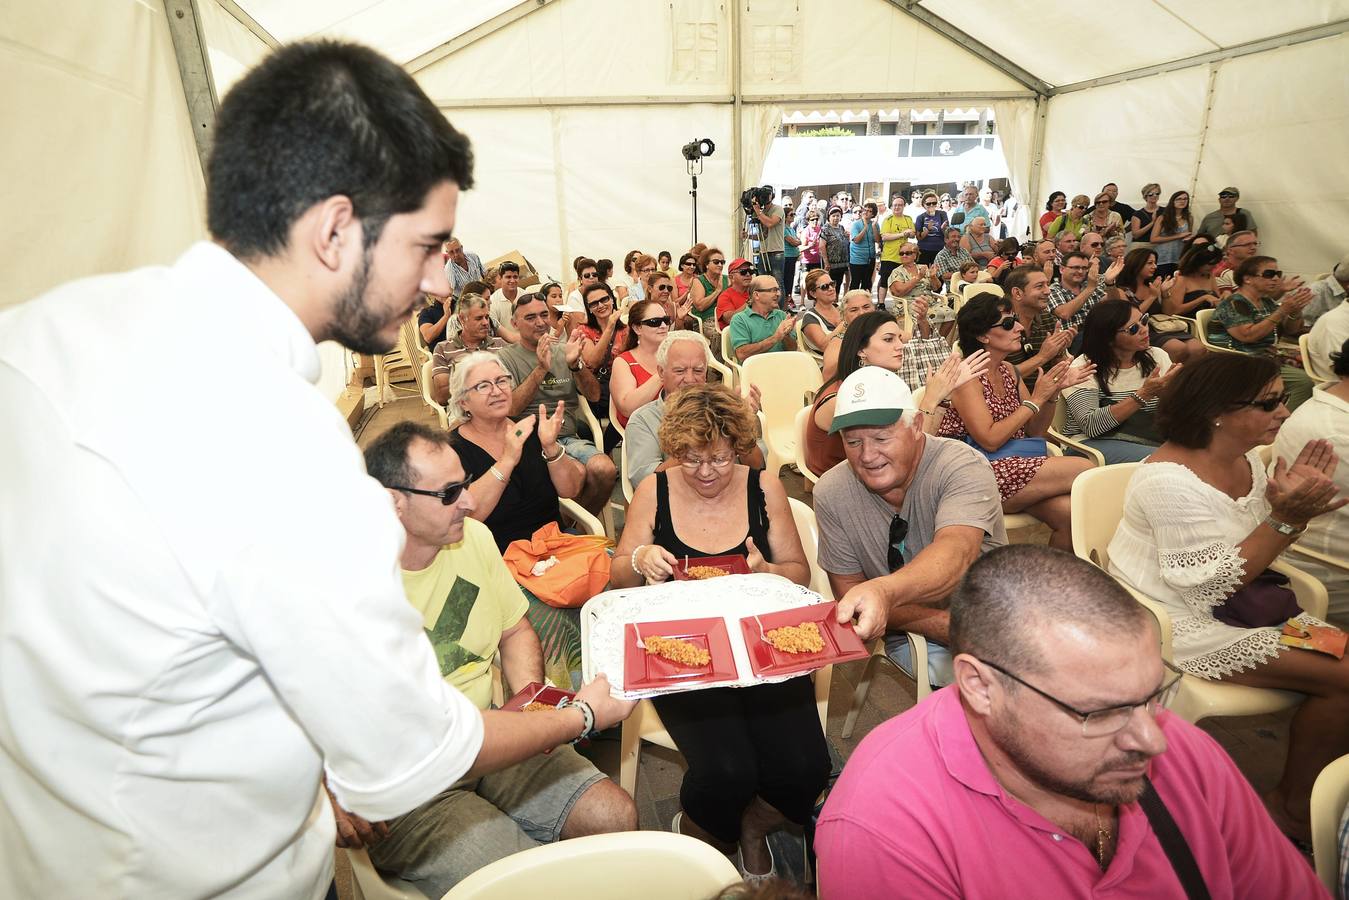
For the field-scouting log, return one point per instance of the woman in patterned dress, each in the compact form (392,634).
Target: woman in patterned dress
(996,408)
(1202,520)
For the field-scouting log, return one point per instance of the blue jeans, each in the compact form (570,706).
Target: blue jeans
(1116,451)
(772,265)
(578,448)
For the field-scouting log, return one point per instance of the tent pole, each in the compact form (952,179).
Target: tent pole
(1203,125)
(1032,200)
(189,46)
(737,127)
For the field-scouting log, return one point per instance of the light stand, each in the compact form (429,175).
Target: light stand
(694,168)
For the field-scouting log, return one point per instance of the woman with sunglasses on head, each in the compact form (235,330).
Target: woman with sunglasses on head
(822,317)
(707,290)
(874,339)
(1140,223)
(633,382)
(1113,412)
(518,469)
(1170,232)
(756,755)
(1139,283)
(1202,524)
(1264,308)
(1058,201)
(996,409)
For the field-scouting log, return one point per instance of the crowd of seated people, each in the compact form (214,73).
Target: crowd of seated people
(939,385)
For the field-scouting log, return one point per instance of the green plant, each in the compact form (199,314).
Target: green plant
(831,131)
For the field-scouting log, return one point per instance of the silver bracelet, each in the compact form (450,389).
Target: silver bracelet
(499,477)
(632,560)
(561,452)
(1034,408)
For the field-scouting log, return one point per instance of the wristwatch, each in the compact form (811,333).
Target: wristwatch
(1284,528)
(587,715)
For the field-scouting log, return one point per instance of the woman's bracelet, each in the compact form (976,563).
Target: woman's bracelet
(561,452)
(1032,406)
(632,560)
(499,477)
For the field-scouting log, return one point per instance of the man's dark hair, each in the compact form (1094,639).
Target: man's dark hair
(581,263)
(1340,361)
(1205,389)
(1003,605)
(1019,277)
(320,119)
(509,265)
(474,287)
(1075,254)
(977,316)
(386,459)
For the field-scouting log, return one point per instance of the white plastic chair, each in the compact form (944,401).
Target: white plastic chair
(623,471)
(613,417)
(1330,794)
(1057,436)
(584,518)
(1309,366)
(597,438)
(729,362)
(424,382)
(921,676)
(802,420)
(783,380)
(1202,319)
(656,865)
(368,884)
(1097,504)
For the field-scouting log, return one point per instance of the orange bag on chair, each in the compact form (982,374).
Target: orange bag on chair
(581,570)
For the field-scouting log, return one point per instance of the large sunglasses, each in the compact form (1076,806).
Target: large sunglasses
(1141,324)
(1006,324)
(1270,273)
(655,321)
(447,495)
(716,262)
(664,288)
(596,304)
(1269,404)
(894,552)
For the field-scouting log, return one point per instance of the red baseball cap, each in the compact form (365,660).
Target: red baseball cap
(738,264)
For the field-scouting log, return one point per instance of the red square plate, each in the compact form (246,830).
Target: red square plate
(734,565)
(841,643)
(643,670)
(536,691)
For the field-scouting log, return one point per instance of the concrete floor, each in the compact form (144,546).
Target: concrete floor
(1256,743)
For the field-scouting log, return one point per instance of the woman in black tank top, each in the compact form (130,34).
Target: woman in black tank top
(756,755)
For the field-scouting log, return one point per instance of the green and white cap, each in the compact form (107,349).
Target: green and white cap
(871,396)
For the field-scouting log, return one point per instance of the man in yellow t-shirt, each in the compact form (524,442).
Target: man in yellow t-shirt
(472,609)
(896,231)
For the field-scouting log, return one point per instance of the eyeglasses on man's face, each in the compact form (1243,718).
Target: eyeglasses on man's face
(589,275)
(772,290)
(1098,723)
(447,495)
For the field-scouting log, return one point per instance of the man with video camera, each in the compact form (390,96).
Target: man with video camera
(760,206)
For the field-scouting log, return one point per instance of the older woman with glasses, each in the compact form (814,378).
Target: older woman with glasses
(909,280)
(1073,221)
(1104,220)
(707,290)
(1202,524)
(822,319)
(756,755)
(633,382)
(836,240)
(998,416)
(1265,307)
(518,469)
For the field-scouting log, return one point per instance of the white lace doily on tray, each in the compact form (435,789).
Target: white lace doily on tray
(732,597)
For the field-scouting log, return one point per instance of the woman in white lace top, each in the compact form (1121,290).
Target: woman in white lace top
(1201,520)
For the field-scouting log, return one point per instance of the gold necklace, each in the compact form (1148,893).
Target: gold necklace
(1102,836)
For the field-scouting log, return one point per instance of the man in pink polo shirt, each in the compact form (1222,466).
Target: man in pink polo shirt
(1049,768)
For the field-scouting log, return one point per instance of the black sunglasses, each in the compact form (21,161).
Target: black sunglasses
(1271,273)
(1226,196)
(655,321)
(596,304)
(1135,327)
(1269,404)
(448,494)
(1006,324)
(894,553)
(665,288)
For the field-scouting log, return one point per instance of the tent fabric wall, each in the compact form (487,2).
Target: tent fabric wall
(1016,131)
(1277,136)
(103,170)
(231,47)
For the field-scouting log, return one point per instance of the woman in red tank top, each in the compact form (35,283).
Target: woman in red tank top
(633,382)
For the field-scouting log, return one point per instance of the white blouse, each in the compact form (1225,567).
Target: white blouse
(1177,543)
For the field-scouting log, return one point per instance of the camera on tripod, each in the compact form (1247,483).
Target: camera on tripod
(764,195)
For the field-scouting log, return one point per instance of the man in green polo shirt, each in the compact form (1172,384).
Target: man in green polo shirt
(761,327)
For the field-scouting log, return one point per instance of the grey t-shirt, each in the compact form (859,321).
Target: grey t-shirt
(556,385)
(954,485)
(773,239)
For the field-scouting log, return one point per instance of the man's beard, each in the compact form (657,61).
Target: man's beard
(354,324)
(1009,739)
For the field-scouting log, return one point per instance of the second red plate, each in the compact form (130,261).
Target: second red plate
(643,670)
(841,643)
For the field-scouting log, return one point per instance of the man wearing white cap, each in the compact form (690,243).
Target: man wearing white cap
(905,516)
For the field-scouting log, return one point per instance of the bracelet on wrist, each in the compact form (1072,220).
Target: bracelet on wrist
(1284,528)
(497,475)
(632,560)
(587,718)
(1032,406)
(561,452)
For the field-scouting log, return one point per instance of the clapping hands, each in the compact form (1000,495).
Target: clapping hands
(1305,490)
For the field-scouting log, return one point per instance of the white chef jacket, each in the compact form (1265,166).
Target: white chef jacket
(200,604)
